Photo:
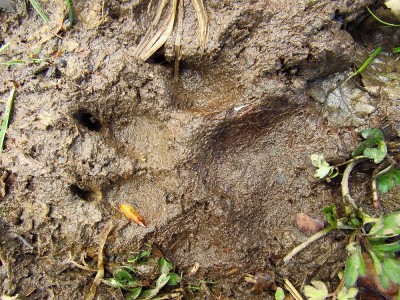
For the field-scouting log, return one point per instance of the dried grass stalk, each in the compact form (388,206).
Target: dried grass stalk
(154,39)
(203,22)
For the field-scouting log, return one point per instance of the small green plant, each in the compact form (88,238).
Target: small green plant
(35,58)
(4,47)
(366,63)
(68,3)
(6,118)
(381,21)
(144,276)
(318,291)
(39,10)
(381,241)
(279,294)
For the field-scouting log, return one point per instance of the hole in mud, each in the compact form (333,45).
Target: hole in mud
(114,13)
(18,220)
(81,193)
(338,17)
(157,58)
(88,120)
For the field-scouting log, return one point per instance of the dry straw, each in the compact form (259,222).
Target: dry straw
(161,28)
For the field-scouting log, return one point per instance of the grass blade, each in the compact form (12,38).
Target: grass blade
(6,118)
(39,10)
(396,50)
(366,63)
(71,12)
(381,21)
(4,47)
(12,62)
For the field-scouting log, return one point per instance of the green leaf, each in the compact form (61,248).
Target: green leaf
(134,293)
(164,266)
(377,226)
(373,147)
(378,153)
(377,263)
(354,266)
(279,294)
(140,256)
(382,248)
(362,268)
(347,294)
(372,133)
(384,280)
(129,268)
(388,180)
(388,227)
(161,281)
(122,276)
(330,214)
(316,291)
(323,167)
(114,283)
(351,270)
(174,279)
(391,267)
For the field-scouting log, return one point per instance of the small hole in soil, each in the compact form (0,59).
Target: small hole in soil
(88,120)
(338,17)
(18,219)
(114,13)
(81,193)
(157,58)
(41,71)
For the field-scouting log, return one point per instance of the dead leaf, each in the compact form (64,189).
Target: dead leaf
(370,285)
(132,214)
(308,225)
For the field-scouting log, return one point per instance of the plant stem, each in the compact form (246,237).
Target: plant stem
(345,182)
(307,242)
(355,158)
(381,21)
(366,63)
(292,290)
(378,171)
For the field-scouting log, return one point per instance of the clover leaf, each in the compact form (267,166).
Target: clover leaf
(374,146)
(323,167)
(347,294)
(316,291)
(386,181)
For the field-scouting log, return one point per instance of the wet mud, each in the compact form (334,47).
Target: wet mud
(217,162)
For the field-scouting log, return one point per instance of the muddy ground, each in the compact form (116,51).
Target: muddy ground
(217,162)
